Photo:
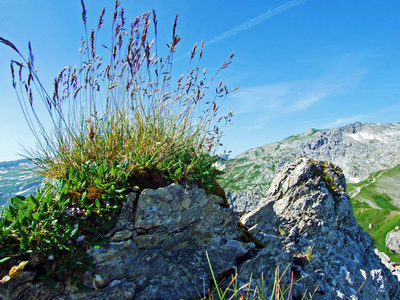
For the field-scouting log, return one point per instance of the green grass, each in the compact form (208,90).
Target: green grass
(383,221)
(252,289)
(124,106)
(384,201)
(378,188)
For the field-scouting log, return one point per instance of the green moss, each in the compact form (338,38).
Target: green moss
(325,176)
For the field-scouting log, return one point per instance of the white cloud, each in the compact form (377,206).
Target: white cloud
(282,97)
(345,121)
(255,21)
(362,118)
(250,23)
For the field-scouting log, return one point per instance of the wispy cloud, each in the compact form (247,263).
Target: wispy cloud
(255,21)
(250,23)
(261,104)
(281,97)
(363,118)
(344,121)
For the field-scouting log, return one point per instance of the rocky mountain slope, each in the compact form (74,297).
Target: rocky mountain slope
(380,190)
(359,149)
(157,249)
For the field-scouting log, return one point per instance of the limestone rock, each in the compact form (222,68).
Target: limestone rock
(360,149)
(305,226)
(157,250)
(244,200)
(393,241)
(392,266)
(308,210)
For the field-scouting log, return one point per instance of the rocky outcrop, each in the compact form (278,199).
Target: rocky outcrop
(394,267)
(308,209)
(157,249)
(244,200)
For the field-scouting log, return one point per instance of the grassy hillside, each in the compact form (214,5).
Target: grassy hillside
(376,201)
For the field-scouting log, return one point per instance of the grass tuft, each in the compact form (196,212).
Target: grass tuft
(122,104)
(119,122)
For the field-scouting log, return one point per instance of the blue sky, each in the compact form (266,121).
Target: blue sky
(299,64)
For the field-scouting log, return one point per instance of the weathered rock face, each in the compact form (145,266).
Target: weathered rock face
(393,241)
(244,200)
(311,214)
(394,267)
(158,248)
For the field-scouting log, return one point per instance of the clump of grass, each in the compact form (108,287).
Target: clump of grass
(116,122)
(122,104)
(254,290)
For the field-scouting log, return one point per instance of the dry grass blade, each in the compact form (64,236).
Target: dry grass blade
(9,44)
(83,12)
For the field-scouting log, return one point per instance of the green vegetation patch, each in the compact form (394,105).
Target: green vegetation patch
(382,220)
(378,188)
(53,229)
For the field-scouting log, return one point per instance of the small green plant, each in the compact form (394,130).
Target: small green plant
(55,228)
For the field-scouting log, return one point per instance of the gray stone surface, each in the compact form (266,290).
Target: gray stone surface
(158,247)
(308,210)
(244,200)
(393,241)
(392,266)
(157,250)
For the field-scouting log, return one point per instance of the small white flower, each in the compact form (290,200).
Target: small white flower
(50,257)
(219,166)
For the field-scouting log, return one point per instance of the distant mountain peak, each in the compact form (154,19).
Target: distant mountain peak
(359,149)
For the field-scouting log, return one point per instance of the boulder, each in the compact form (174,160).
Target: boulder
(393,241)
(157,250)
(244,200)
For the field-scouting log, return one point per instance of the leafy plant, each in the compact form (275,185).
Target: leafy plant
(56,227)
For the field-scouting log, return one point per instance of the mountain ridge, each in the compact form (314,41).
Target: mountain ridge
(359,149)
